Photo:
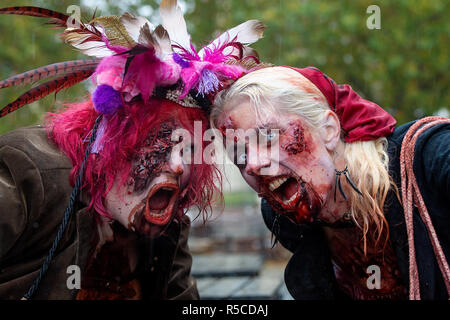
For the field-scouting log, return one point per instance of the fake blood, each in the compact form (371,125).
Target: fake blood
(103,280)
(152,156)
(296,139)
(306,206)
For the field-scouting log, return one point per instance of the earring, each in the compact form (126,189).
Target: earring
(339,185)
(275,230)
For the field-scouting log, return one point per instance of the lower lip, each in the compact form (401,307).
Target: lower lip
(140,223)
(298,211)
(162,219)
(303,208)
(159,220)
(140,220)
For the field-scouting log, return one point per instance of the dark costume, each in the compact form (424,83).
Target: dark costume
(140,72)
(309,273)
(34,190)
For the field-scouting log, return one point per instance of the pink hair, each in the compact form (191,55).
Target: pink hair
(126,131)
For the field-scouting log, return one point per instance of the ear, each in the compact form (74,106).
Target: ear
(330,130)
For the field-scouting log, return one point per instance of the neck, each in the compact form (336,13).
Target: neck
(333,211)
(117,236)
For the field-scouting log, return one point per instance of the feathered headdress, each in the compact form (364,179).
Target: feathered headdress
(132,59)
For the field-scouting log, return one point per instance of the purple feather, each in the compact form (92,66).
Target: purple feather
(183,63)
(106,100)
(208,82)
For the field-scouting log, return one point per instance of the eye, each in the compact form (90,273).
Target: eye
(269,136)
(240,156)
(187,151)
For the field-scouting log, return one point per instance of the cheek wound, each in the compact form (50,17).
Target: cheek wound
(296,140)
(152,156)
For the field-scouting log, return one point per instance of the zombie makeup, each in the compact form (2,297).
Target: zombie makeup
(150,174)
(289,193)
(152,156)
(291,196)
(149,201)
(295,139)
(301,185)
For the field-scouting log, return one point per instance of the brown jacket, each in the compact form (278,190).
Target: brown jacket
(34,192)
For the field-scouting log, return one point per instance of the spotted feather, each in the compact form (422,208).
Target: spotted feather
(45,89)
(49,71)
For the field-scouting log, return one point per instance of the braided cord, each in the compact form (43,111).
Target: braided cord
(411,195)
(67,214)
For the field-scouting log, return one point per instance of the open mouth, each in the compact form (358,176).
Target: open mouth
(286,190)
(292,196)
(160,203)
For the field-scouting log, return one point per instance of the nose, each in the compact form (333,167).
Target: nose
(256,161)
(176,164)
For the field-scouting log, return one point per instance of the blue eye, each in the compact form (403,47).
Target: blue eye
(270,136)
(187,150)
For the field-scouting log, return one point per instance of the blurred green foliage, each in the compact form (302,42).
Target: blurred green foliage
(241,198)
(402,67)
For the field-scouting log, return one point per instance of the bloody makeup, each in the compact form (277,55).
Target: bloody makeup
(152,156)
(292,197)
(150,172)
(299,186)
(288,193)
(295,139)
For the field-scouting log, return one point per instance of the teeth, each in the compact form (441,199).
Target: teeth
(158,213)
(292,198)
(276,183)
(167,189)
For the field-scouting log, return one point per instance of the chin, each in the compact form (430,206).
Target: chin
(143,227)
(153,215)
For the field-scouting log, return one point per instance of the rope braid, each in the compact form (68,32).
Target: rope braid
(67,214)
(411,195)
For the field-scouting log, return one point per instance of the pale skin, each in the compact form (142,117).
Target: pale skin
(142,206)
(314,165)
(310,155)
(122,205)
(131,206)
(125,204)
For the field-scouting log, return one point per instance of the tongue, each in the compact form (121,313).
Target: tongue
(289,188)
(159,200)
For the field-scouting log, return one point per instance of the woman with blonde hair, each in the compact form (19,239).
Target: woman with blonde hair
(362,205)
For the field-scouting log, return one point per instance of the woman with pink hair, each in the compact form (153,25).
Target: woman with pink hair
(129,152)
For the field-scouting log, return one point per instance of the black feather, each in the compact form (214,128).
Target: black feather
(349,180)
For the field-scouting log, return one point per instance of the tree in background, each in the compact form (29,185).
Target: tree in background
(28,43)
(403,66)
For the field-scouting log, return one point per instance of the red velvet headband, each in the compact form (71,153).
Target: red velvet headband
(361,120)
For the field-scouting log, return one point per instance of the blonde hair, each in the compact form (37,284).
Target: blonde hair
(282,89)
